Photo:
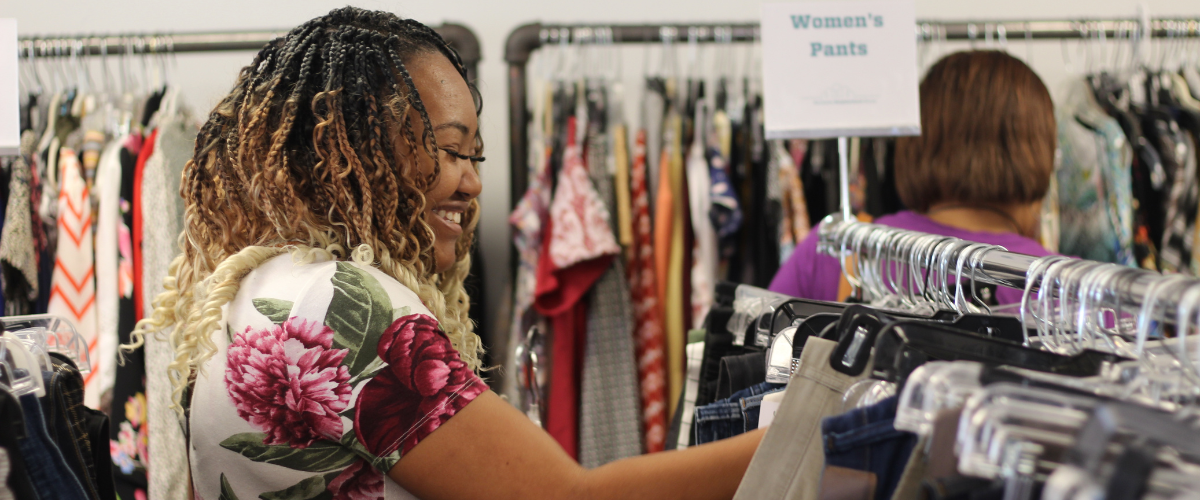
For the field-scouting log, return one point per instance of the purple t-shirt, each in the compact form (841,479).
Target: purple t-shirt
(811,275)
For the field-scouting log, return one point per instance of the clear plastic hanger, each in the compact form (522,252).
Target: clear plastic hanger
(60,336)
(20,368)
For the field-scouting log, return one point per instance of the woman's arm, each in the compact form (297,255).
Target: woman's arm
(490,450)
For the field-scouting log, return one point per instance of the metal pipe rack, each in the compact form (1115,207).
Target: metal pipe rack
(530,37)
(459,37)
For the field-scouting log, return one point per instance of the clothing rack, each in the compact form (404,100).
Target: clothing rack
(998,267)
(460,38)
(530,37)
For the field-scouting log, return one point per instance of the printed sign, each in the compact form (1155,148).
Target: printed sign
(10,95)
(840,69)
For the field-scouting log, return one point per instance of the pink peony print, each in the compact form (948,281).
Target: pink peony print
(424,385)
(359,481)
(289,382)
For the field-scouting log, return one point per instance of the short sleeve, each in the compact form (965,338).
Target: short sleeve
(346,368)
(423,384)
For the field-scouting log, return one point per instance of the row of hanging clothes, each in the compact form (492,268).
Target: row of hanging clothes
(689,193)
(627,226)
(1126,187)
(919,391)
(91,217)
(52,446)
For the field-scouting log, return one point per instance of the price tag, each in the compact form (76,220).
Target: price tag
(10,97)
(840,69)
(768,408)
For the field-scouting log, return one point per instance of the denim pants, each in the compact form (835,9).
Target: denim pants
(47,468)
(731,417)
(865,439)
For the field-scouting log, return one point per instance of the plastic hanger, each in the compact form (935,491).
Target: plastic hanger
(61,336)
(35,340)
(902,346)
(23,374)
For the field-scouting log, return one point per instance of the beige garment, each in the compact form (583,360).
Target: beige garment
(909,487)
(621,179)
(791,457)
(174,144)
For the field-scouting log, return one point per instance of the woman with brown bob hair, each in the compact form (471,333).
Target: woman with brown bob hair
(317,312)
(978,171)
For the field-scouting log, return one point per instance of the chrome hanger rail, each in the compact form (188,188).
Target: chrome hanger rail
(999,267)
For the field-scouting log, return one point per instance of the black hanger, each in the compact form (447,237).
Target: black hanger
(795,309)
(864,323)
(904,345)
(815,325)
(856,332)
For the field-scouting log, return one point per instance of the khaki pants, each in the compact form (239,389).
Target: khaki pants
(789,462)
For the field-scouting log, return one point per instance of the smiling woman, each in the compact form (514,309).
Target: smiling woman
(318,313)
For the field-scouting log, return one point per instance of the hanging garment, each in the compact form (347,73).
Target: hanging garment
(668,253)
(527,221)
(608,421)
(726,212)
(794,227)
(609,426)
(578,247)
(18,248)
(1051,225)
(49,472)
(1181,189)
(620,158)
(73,293)
(695,354)
(699,184)
(654,116)
(1094,184)
(139,223)
(63,409)
(789,461)
(19,481)
(648,327)
(108,259)
(136,407)
(163,210)
(162,207)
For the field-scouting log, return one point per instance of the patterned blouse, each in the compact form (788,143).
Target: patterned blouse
(325,375)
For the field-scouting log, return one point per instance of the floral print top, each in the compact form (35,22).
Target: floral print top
(325,375)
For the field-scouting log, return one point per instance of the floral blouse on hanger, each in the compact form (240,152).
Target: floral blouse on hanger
(325,375)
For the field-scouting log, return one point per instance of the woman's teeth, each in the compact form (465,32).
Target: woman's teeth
(454,217)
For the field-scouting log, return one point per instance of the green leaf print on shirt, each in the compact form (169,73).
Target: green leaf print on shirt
(322,456)
(274,309)
(313,488)
(359,313)
(227,490)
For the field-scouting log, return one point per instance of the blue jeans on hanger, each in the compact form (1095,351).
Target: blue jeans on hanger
(865,439)
(48,469)
(731,417)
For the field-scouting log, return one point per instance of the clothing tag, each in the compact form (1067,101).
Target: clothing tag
(770,405)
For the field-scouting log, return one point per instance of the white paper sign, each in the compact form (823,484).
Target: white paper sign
(10,95)
(840,69)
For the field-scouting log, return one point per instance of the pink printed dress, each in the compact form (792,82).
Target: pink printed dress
(325,375)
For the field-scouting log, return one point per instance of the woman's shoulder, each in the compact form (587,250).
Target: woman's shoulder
(315,287)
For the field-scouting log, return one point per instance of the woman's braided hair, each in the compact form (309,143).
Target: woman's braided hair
(301,155)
